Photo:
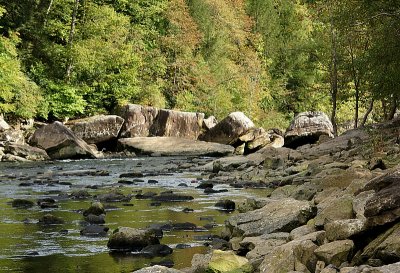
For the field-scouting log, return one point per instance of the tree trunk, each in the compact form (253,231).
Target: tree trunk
(369,110)
(71,36)
(334,78)
(393,108)
(49,8)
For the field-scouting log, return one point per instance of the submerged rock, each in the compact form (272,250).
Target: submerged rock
(22,203)
(94,231)
(130,239)
(50,219)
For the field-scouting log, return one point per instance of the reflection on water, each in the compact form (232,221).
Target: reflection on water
(26,246)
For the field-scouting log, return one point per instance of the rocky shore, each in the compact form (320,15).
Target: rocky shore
(333,203)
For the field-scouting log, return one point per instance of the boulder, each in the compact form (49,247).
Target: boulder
(97,129)
(61,143)
(228,262)
(306,128)
(3,125)
(138,120)
(228,129)
(50,219)
(131,239)
(226,204)
(96,208)
(26,151)
(156,250)
(170,123)
(173,146)
(22,203)
(334,209)
(384,205)
(157,269)
(277,215)
(335,252)
(257,138)
(390,268)
(209,123)
(94,231)
(344,229)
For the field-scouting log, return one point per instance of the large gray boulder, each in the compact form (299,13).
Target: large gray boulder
(306,128)
(277,215)
(143,121)
(228,129)
(97,129)
(61,143)
(26,151)
(170,146)
(131,239)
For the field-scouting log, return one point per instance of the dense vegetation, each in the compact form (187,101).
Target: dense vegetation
(270,59)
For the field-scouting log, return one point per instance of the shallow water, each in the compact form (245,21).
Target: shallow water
(26,246)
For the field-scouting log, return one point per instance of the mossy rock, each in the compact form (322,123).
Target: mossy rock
(228,262)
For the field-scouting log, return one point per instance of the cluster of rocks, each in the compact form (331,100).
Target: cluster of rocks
(147,130)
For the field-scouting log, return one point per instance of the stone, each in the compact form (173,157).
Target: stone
(130,239)
(306,128)
(301,231)
(257,138)
(114,196)
(157,269)
(26,151)
(96,129)
(3,124)
(95,219)
(335,252)
(50,219)
(209,123)
(96,208)
(227,205)
(61,143)
(94,231)
(22,203)
(228,129)
(256,248)
(277,215)
(344,229)
(156,250)
(334,209)
(138,120)
(172,198)
(228,262)
(173,146)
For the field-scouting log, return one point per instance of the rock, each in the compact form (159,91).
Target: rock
(50,219)
(61,143)
(301,231)
(13,158)
(172,146)
(175,226)
(138,120)
(227,205)
(26,151)
(209,123)
(94,231)
(95,219)
(170,123)
(344,229)
(228,129)
(335,252)
(172,198)
(384,206)
(257,138)
(80,194)
(157,269)
(22,203)
(277,215)
(306,128)
(296,255)
(95,208)
(227,261)
(391,268)
(131,239)
(3,124)
(114,197)
(156,250)
(334,209)
(96,129)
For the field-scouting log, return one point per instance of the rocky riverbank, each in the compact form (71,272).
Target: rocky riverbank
(333,204)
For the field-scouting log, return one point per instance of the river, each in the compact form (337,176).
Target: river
(27,246)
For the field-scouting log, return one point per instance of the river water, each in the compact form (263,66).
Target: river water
(27,246)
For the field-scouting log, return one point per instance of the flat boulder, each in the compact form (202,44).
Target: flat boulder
(281,215)
(228,129)
(26,151)
(307,128)
(131,239)
(61,143)
(97,129)
(173,146)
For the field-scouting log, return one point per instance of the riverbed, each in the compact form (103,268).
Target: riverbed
(28,246)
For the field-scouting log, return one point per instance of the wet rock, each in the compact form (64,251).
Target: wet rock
(94,231)
(22,203)
(205,185)
(26,151)
(276,215)
(227,261)
(228,129)
(156,250)
(335,252)
(131,175)
(183,185)
(126,182)
(97,129)
(131,239)
(157,269)
(187,210)
(96,208)
(176,226)
(146,195)
(89,172)
(152,181)
(166,263)
(172,198)
(218,243)
(306,128)
(80,194)
(114,197)
(95,219)
(227,205)
(50,219)
(173,146)
(61,143)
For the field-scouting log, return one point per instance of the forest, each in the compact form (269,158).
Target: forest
(269,59)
